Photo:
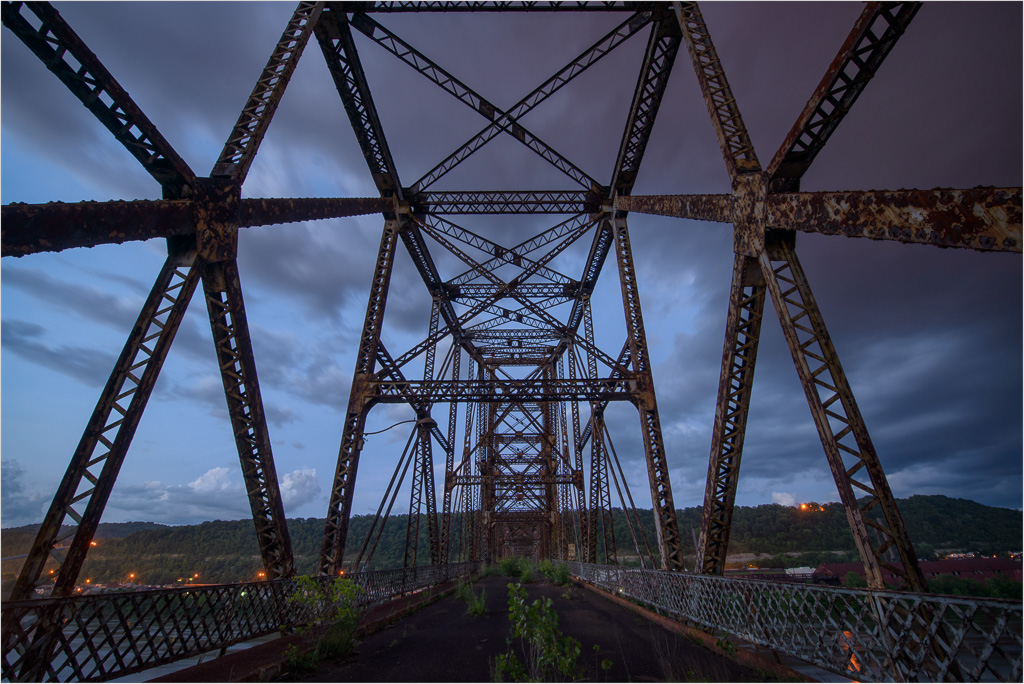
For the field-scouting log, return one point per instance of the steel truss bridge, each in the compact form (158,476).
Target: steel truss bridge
(522,372)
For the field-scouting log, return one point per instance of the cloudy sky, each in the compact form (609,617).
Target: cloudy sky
(930,338)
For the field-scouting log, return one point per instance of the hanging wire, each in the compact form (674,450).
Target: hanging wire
(367,434)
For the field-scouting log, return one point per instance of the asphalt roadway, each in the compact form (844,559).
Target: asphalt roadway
(443,643)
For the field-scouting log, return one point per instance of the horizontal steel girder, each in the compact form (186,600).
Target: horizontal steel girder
(503,6)
(985,219)
(510,202)
(489,391)
(32,228)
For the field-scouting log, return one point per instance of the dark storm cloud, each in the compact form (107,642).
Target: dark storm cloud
(19,505)
(929,338)
(27,340)
(112,310)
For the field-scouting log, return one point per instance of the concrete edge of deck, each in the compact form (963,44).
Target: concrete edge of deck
(267,661)
(746,658)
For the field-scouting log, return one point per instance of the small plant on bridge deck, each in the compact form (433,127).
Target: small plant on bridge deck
(557,574)
(475,605)
(333,615)
(550,655)
(512,566)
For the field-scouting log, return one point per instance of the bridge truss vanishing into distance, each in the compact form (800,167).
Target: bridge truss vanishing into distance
(533,469)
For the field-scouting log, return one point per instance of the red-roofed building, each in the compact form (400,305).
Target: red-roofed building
(979,569)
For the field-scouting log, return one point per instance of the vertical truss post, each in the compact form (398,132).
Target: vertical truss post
(485,434)
(360,399)
(248,421)
(844,436)
(669,543)
(85,489)
(742,332)
(254,120)
(600,495)
(550,467)
(449,467)
(89,480)
(422,494)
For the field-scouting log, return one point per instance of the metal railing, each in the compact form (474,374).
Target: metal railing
(865,635)
(104,636)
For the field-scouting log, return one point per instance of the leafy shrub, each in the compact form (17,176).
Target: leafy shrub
(475,605)
(511,567)
(333,616)
(550,655)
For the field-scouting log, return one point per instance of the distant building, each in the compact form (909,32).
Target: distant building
(976,568)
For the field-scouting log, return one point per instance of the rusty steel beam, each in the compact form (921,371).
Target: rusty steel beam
(245,138)
(467,96)
(69,58)
(89,479)
(716,208)
(231,338)
(507,202)
(360,399)
(56,226)
(877,526)
(873,35)
(742,333)
(499,392)
(563,76)
(268,211)
(335,38)
(501,6)
(737,149)
(643,396)
(654,74)
(984,219)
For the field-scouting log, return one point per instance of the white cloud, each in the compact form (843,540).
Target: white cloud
(783,498)
(299,487)
(214,481)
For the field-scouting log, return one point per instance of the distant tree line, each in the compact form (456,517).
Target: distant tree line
(227,551)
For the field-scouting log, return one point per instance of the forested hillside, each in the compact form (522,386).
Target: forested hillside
(226,551)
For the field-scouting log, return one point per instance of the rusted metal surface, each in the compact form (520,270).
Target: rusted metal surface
(717,208)
(241,146)
(742,333)
(873,35)
(507,202)
(844,436)
(268,211)
(359,400)
(335,38)
(520,475)
(114,635)
(654,74)
(78,68)
(749,192)
(224,304)
(984,219)
(863,635)
(90,477)
(737,149)
(669,544)
(56,226)
(585,60)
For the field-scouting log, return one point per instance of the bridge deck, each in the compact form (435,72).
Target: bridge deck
(442,643)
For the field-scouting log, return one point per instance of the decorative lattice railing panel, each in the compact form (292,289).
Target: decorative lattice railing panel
(103,636)
(864,635)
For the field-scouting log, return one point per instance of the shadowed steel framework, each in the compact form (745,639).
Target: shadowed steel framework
(509,355)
